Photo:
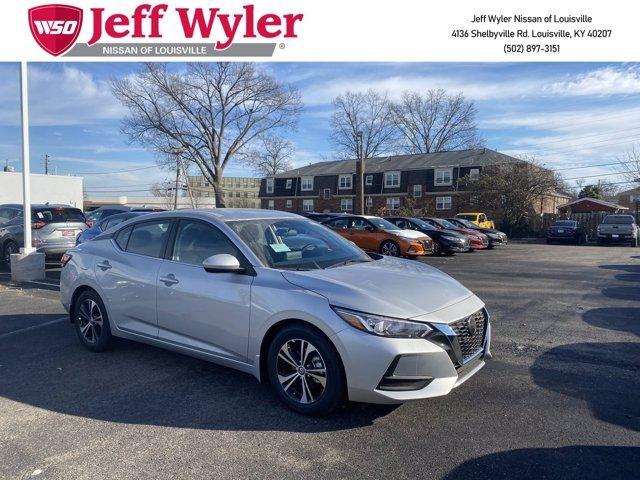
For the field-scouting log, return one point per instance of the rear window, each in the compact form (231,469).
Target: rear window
(58,215)
(625,219)
(565,223)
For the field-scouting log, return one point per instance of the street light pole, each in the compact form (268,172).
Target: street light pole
(26,170)
(360,174)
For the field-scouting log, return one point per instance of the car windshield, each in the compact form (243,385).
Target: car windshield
(447,224)
(466,223)
(293,244)
(565,223)
(422,224)
(58,215)
(382,224)
(626,219)
(467,216)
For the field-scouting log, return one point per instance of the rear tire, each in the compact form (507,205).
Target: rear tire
(91,322)
(9,248)
(390,248)
(305,371)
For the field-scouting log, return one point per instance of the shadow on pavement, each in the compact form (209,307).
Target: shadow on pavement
(624,268)
(584,462)
(621,319)
(622,293)
(605,375)
(140,384)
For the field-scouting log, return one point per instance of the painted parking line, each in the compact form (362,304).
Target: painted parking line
(34,327)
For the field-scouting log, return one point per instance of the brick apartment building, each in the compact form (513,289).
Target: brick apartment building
(429,180)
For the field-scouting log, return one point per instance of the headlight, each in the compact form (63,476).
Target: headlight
(383,326)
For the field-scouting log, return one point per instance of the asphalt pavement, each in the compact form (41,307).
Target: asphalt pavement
(560,399)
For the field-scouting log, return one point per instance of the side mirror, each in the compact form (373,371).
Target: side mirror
(222,263)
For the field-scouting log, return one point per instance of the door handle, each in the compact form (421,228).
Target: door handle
(169,279)
(104,265)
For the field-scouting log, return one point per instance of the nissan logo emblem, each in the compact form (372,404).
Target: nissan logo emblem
(471,326)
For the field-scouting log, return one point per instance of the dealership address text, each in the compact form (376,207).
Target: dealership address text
(522,34)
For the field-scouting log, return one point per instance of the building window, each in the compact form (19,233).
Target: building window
(368,180)
(345,182)
(474,174)
(369,201)
(306,184)
(346,204)
(289,203)
(393,203)
(326,193)
(271,205)
(307,205)
(444,176)
(417,191)
(269,185)
(443,203)
(391,179)
(289,183)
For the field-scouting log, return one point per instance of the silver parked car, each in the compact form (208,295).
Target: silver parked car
(283,298)
(54,228)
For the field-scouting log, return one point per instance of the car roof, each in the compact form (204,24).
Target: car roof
(38,205)
(227,214)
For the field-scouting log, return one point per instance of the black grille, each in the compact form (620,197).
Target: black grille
(470,332)
(427,245)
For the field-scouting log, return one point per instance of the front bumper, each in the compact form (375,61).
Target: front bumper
(370,361)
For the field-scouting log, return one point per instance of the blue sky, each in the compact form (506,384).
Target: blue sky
(564,114)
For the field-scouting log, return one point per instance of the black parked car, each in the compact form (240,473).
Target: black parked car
(496,237)
(567,231)
(445,242)
(105,211)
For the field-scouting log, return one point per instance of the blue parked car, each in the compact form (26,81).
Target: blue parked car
(106,224)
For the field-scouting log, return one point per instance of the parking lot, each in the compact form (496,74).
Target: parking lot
(560,399)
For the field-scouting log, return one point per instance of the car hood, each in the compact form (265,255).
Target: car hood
(389,286)
(452,233)
(407,233)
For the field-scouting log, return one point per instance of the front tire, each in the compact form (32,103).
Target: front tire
(91,322)
(305,371)
(390,248)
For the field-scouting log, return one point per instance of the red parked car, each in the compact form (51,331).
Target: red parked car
(478,239)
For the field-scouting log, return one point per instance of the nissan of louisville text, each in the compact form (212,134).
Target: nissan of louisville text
(280,297)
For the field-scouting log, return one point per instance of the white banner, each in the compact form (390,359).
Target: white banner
(320,30)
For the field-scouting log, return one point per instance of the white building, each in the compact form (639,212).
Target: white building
(166,203)
(44,188)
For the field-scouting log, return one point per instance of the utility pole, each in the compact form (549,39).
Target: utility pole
(186,179)
(45,158)
(177,152)
(360,167)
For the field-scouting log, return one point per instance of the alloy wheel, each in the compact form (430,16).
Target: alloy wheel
(90,321)
(301,370)
(389,248)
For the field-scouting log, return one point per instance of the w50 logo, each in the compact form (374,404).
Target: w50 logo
(55,27)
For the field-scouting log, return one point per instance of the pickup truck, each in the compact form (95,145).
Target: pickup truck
(479,218)
(618,229)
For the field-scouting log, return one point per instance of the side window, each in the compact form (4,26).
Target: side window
(338,223)
(359,224)
(147,238)
(483,218)
(122,237)
(6,214)
(196,241)
(401,224)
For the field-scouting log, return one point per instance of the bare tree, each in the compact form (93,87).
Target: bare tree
(629,164)
(513,190)
(211,112)
(165,190)
(369,113)
(272,156)
(436,121)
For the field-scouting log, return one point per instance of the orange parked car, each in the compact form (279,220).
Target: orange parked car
(374,234)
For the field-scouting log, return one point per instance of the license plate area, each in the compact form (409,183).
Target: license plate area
(615,235)
(68,233)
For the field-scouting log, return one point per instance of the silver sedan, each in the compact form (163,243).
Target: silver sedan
(283,298)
